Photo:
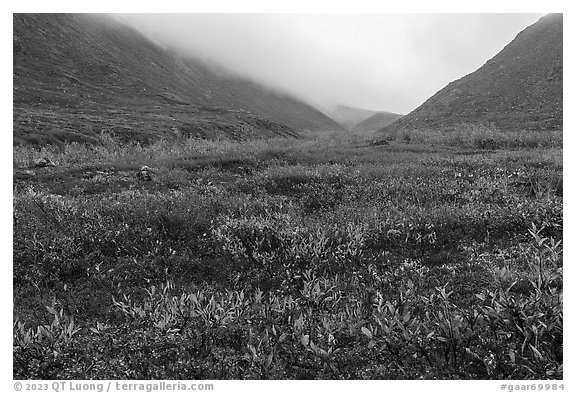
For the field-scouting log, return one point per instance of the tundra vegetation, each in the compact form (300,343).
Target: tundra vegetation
(435,256)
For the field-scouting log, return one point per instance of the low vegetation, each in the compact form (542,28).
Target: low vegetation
(325,258)
(478,136)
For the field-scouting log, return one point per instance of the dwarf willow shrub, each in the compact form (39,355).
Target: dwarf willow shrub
(312,259)
(280,247)
(58,238)
(37,350)
(375,323)
(525,310)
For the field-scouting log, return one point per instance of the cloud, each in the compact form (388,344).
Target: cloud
(390,62)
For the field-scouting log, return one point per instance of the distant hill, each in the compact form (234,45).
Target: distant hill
(377,121)
(519,88)
(348,116)
(77,75)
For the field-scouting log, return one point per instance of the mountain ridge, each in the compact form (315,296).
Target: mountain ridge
(520,87)
(75,75)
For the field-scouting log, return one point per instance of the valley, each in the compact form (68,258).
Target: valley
(173,221)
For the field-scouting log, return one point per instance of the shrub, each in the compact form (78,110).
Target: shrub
(312,259)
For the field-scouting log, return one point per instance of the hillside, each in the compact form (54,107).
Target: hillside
(77,75)
(349,116)
(519,88)
(377,121)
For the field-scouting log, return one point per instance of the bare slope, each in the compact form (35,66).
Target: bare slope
(77,75)
(519,88)
(377,121)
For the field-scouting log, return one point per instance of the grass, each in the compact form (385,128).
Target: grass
(324,258)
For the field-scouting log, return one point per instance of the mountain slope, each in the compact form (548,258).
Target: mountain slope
(237,93)
(377,121)
(519,88)
(77,75)
(349,116)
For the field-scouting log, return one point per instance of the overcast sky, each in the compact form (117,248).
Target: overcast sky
(389,62)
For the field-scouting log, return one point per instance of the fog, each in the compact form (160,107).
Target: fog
(388,62)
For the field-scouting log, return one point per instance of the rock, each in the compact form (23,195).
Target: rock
(145,173)
(43,162)
(379,143)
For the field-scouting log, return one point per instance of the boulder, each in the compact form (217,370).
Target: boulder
(145,173)
(43,162)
